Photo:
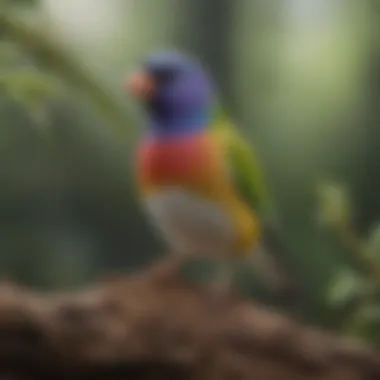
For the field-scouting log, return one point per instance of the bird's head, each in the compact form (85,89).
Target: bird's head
(175,91)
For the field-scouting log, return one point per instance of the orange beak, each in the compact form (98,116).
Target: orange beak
(141,85)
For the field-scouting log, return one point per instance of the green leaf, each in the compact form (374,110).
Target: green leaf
(29,86)
(345,287)
(374,242)
(370,314)
(334,205)
(47,53)
(9,53)
(367,323)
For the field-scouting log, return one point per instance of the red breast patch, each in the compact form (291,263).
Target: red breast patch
(186,160)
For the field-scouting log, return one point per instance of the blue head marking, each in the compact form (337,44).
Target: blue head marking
(184,95)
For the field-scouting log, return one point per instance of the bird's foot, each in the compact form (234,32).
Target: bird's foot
(218,293)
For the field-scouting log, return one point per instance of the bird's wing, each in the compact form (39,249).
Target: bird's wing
(245,170)
(250,183)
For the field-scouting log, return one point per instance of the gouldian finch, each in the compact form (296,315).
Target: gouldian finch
(200,182)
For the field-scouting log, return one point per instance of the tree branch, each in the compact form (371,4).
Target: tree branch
(154,326)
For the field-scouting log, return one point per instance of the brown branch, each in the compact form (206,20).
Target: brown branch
(153,326)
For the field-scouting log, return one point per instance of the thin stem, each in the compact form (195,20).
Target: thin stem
(49,55)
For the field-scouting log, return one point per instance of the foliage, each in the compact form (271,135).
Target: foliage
(47,54)
(354,288)
(36,78)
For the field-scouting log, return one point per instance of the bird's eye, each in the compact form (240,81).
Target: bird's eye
(165,76)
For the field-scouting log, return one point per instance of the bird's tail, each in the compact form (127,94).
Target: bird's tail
(271,262)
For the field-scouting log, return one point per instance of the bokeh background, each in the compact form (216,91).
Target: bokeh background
(301,78)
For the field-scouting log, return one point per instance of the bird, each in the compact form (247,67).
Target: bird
(201,183)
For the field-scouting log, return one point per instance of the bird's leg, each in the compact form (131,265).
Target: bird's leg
(180,251)
(221,285)
(284,289)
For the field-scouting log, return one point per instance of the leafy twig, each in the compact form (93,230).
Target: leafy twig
(48,54)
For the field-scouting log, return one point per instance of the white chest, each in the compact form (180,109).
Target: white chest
(189,223)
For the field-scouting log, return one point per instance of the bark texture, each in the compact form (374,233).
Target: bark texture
(154,326)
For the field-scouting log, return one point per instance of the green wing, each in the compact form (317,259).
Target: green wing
(250,182)
(246,172)
(247,175)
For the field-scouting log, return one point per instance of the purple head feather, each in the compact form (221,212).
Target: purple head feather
(184,96)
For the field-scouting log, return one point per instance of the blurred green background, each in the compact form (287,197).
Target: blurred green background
(300,77)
